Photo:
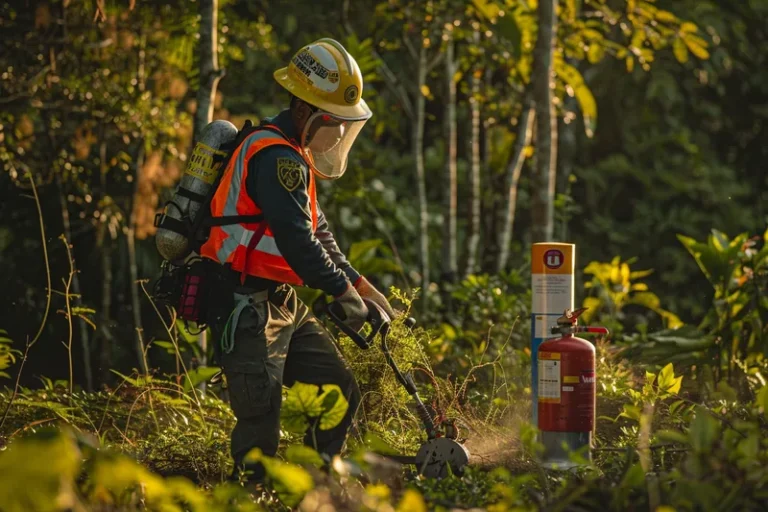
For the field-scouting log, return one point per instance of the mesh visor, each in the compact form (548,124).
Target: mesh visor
(329,140)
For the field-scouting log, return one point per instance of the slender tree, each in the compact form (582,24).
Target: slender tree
(130,235)
(210,74)
(514,170)
(473,233)
(450,201)
(543,182)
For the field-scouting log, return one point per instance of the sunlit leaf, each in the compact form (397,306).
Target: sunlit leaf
(199,375)
(666,16)
(595,53)
(334,406)
(680,50)
(571,76)
(300,454)
(302,401)
(412,501)
(696,45)
(762,400)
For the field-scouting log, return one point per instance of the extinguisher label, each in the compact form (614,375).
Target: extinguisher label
(201,163)
(549,377)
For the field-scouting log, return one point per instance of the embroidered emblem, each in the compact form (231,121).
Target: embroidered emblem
(289,173)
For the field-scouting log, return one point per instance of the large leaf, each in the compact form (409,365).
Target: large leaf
(302,402)
(334,406)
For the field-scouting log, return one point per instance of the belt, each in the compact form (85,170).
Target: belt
(276,294)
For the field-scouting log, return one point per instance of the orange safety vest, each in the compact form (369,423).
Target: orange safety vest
(249,246)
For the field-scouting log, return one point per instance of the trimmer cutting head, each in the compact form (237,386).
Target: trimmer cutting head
(441,457)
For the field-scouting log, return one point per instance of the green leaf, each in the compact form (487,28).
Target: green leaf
(198,375)
(762,400)
(630,411)
(634,477)
(672,436)
(362,249)
(704,430)
(301,402)
(291,482)
(300,454)
(334,406)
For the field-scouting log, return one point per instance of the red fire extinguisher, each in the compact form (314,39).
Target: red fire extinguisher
(566,392)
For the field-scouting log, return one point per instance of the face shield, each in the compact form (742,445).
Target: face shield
(329,139)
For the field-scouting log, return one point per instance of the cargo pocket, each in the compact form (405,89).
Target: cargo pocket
(250,390)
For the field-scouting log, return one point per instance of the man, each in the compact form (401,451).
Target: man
(271,338)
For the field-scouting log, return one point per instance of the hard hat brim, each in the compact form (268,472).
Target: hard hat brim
(357,112)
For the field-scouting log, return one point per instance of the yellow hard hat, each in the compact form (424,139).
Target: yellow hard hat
(324,75)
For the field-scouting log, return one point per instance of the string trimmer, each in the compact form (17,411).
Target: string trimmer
(441,454)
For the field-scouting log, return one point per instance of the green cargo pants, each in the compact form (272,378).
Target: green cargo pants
(276,341)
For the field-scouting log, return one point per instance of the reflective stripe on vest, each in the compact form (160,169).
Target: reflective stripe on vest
(265,260)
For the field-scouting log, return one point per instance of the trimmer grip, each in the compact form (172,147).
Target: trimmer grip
(336,314)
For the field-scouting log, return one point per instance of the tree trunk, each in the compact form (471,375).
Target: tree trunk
(473,233)
(490,202)
(418,154)
(514,170)
(450,202)
(133,266)
(210,74)
(543,183)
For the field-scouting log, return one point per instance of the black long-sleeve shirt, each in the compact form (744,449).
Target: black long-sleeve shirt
(314,256)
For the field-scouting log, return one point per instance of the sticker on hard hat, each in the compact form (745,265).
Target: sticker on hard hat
(318,67)
(554,258)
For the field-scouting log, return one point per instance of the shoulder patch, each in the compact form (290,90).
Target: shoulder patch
(290,173)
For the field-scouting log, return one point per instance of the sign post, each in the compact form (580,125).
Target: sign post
(552,291)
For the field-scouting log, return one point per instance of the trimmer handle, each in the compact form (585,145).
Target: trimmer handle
(376,317)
